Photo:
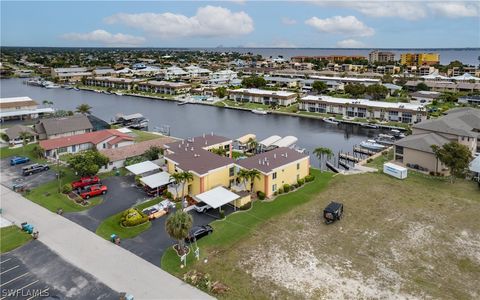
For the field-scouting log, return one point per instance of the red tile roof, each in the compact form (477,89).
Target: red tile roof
(85,138)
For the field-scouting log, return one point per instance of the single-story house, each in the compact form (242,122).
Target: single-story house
(63,127)
(14,132)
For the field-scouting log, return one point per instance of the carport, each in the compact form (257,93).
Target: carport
(156,180)
(143,167)
(217,197)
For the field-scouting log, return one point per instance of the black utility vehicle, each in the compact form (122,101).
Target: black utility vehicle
(34,168)
(333,212)
(198,232)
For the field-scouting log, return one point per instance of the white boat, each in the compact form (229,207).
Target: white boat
(76,89)
(369,125)
(118,94)
(372,145)
(182,102)
(259,111)
(52,86)
(331,120)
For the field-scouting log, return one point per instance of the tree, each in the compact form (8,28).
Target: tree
(219,151)
(387,78)
(252,144)
(87,163)
(254,82)
(25,136)
(243,176)
(186,177)
(455,156)
(321,152)
(356,90)
(46,102)
(252,175)
(221,92)
(422,87)
(177,178)
(38,151)
(377,91)
(84,109)
(178,227)
(153,153)
(319,86)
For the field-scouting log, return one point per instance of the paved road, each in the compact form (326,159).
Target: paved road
(116,267)
(13,175)
(34,269)
(121,195)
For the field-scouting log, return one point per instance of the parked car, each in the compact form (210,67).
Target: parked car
(93,190)
(202,207)
(16,160)
(34,168)
(198,232)
(333,212)
(85,181)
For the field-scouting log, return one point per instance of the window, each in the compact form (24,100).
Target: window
(274,175)
(274,188)
(62,150)
(231,171)
(298,166)
(104,146)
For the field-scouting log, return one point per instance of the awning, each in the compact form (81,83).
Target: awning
(156,180)
(143,167)
(244,139)
(475,165)
(217,197)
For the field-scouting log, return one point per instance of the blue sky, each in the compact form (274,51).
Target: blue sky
(350,24)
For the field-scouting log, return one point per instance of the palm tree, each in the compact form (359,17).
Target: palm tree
(84,109)
(252,175)
(46,102)
(321,152)
(178,226)
(252,144)
(186,177)
(25,136)
(177,178)
(243,175)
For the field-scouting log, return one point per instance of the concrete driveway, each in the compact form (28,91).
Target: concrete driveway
(151,244)
(34,269)
(122,194)
(13,175)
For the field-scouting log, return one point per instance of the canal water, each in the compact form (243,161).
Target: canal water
(193,120)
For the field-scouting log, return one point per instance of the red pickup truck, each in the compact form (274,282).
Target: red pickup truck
(93,190)
(85,181)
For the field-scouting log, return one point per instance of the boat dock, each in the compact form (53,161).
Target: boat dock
(332,167)
(348,157)
(363,151)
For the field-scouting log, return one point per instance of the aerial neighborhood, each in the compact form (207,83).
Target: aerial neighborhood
(223,169)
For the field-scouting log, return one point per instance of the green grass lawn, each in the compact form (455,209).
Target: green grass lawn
(238,226)
(47,195)
(12,237)
(112,224)
(379,161)
(290,109)
(142,136)
(20,151)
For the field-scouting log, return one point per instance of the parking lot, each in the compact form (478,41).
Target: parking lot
(12,175)
(33,271)
(151,244)
(122,194)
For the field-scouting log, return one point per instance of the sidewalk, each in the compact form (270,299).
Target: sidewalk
(116,267)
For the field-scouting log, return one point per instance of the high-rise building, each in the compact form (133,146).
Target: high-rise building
(419,59)
(381,56)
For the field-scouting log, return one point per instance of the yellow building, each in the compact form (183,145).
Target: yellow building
(277,167)
(419,59)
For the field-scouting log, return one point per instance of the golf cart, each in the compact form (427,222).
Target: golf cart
(333,212)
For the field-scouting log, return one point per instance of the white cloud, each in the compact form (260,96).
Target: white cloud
(455,9)
(288,21)
(348,25)
(350,43)
(105,37)
(209,21)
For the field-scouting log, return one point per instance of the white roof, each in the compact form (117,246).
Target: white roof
(132,116)
(270,140)
(244,139)
(287,141)
(475,165)
(434,75)
(13,113)
(156,180)
(143,167)
(15,99)
(264,92)
(344,79)
(217,197)
(465,76)
(365,102)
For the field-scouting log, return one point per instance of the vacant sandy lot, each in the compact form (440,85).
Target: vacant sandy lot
(418,238)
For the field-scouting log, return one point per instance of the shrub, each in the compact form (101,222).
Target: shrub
(309,178)
(246,206)
(261,195)
(300,182)
(66,188)
(222,214)
(432,173)
(280,191)
(286,187)
(133,217)
(369,160)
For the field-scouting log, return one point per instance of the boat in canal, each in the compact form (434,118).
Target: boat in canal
(372,145)
(259,111)
(370,125)
(331,120)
